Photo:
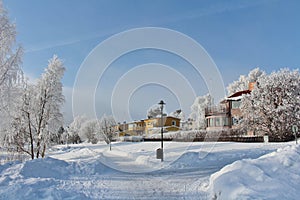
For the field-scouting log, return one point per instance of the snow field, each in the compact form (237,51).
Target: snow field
(190,171)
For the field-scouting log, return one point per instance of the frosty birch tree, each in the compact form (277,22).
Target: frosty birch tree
(10,72)
(274,104)
(49,101)
(21,131)
(198,110)
(106,128)
(243,82)
(39,114)
(9,59)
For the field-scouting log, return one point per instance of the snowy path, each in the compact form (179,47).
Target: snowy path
(163,184)
(141,186)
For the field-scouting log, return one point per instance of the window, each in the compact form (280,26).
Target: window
(236,104)
(235,121)
(173,123)
(131,126)
(211,122)
(225,121)
(218,121)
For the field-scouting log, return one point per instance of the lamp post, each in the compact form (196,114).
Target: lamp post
(162,103)
(295,130)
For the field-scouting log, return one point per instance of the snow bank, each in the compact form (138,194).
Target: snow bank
(272,176)
(214,160)
(48,178)
(35,179)
(45,168)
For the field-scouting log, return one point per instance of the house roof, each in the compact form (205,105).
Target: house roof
(164,117)
(236,96)
(240,93)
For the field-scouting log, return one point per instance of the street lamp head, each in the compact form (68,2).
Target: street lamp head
(161,102)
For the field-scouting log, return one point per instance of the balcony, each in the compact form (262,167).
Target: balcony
(216,110)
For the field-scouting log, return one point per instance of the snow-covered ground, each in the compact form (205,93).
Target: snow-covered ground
(131,171)
(272,176)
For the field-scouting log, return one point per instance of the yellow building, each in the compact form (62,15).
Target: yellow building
(136,128)
(153,125)
(149,126)
(121,128)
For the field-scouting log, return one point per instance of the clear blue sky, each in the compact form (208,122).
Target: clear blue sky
(238,35)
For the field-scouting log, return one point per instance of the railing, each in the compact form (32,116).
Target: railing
(216,110)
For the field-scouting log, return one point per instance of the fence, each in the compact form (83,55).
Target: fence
(246,139)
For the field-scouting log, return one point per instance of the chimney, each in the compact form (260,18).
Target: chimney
(251,86)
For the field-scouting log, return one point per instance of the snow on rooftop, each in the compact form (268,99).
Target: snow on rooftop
(234,98)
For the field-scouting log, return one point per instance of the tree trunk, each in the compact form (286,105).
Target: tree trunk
(31,137)
(44,150)
(41,119)
(38,145)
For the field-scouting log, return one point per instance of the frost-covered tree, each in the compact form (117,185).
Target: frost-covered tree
(178,114)
(274,104)
(49,101)
(154,112)
(198,110)
(243,82)
(39,116)
(9,58)
(11,75)
(58,137)
(88,131)
(73,130)
(255,74)
(239,85)
(107,128)
(20,136)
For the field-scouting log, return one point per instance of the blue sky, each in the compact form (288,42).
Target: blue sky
(238,35)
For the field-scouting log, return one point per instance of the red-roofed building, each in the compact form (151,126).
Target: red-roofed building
(227,114)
